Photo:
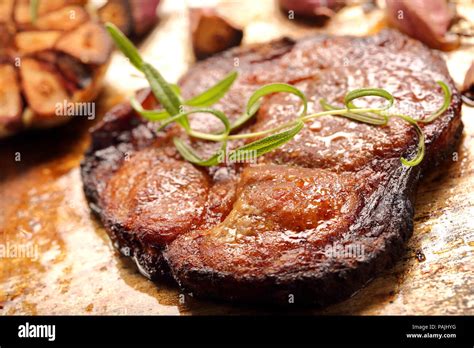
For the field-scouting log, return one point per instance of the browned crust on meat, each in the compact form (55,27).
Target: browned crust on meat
(203,261)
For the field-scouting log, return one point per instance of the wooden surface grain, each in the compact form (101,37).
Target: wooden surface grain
(69,266)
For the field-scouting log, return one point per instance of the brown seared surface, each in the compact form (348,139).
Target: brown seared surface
(261,232)
(167,194)
(281,215)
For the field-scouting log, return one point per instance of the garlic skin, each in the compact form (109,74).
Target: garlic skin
(424,20)
(468,86)
(211,33)
(135,18)
(312,9)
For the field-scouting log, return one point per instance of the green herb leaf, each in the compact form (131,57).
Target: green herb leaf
(262,146)
(368,92)
(189,155)
(34,9)
(215,93)
(151,115)
(164,93)
(206,136)
(125,45)
(274,88)
(444,107)
(245,117)
(421,143)
(176,89)
(375,119)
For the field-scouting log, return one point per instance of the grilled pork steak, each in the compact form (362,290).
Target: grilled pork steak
(312,221)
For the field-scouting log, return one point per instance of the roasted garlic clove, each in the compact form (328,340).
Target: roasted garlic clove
(6,10)
(211,33)
(117,12)
(67,18)
(132,17)
(468,86)
(33,41)
(22,11)
(42,86)
(89,43)
(11,105)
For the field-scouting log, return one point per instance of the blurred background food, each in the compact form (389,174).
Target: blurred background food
(425,20)
(210,33)
(53,54)
(468,86)
(77,271)
(316,11)
(134,18)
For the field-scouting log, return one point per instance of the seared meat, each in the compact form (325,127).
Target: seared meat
(312,221)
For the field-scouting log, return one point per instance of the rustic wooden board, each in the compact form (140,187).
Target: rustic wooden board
(71,268)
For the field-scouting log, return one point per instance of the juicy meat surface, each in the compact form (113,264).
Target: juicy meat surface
(313,220)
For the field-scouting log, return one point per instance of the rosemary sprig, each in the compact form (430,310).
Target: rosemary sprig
(262,146)
(125,45)
(443,108)
(252,104)
(373,119)
(173,111)
(34,8)
(213,94)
